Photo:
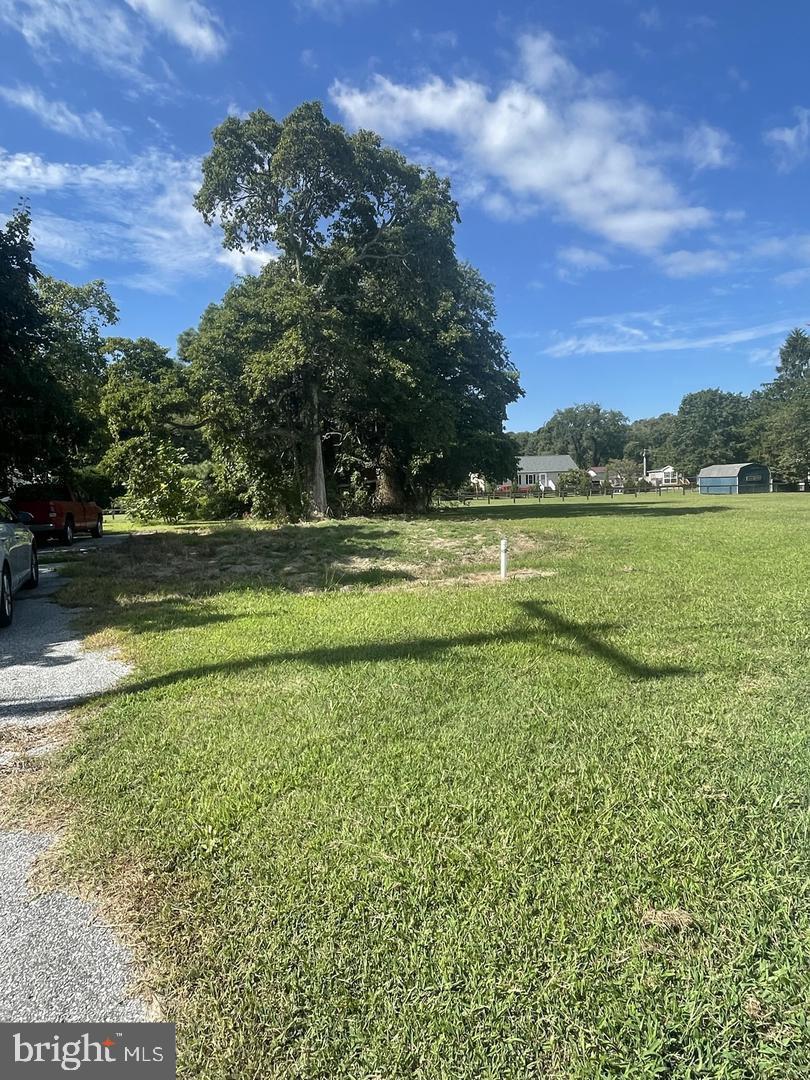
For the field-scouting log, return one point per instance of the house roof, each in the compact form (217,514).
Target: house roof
(727,470)
(546,463)
(597,470)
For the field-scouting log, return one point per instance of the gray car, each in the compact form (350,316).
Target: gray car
(19,568)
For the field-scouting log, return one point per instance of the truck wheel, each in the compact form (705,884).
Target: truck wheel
(67,532)
(6,602)
(33,579)
(98,529)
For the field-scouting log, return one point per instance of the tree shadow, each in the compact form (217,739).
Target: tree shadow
(582,639)
(583,635)
(153,582)
(567,508)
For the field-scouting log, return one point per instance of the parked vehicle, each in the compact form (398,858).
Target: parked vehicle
(58,510)
(19,568)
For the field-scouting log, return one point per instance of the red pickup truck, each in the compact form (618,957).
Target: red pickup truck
(58,510)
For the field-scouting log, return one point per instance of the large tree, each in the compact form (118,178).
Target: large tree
(784,438)
(51,348)
(153,437)
(711,428)
(418,396)
(780,426)
(793,369)
(590,434)
(77,316)
(333,204)
(427,406)
(366,340)
(28,392)
(653,434)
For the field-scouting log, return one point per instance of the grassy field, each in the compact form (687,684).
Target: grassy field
(374,814)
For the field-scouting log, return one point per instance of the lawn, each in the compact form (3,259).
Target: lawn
(373,814)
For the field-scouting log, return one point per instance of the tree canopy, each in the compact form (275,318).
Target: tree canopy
(51,348)
(368,345)
(589,433)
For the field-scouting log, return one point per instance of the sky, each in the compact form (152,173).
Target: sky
(632,178)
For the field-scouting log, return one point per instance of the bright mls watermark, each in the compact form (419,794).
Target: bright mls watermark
(42,1051)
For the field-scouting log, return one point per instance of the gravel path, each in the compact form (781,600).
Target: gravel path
(58,960)
(43,670)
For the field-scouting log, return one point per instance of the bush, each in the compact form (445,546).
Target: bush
(158,484)
(98,485)
(575,480)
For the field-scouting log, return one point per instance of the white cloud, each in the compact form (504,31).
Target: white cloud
(583,259)
(332,9)
(235,110)
(700,22)
(796,246)
(58,116)
(30,173)
(136,216)
(548,140)
(792,278)
(543,64)
(708,147)
(440,39)
(768,356)
(650,18)
(683,264)
(736,77)
(60,240)
(655,338)
(791,144)
(189,22)
(573,262)
(113,34)
(89,27)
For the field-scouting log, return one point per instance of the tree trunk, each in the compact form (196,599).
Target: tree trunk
(319,502)
(390,495)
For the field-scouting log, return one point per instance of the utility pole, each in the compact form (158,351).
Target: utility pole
(644,452)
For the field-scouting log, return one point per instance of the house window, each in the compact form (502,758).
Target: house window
(529,478)
(754,478)
(542,479)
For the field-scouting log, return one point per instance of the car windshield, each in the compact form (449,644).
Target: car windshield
(40,491)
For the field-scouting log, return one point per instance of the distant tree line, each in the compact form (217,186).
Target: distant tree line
(771,425)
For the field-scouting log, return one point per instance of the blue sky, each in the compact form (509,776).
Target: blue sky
(632,177)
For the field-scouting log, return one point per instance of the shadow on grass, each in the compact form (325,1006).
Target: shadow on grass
(569,508)
(155,582)
(580,639)
(583,635)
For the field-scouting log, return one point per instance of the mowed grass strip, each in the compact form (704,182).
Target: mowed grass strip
(378,816)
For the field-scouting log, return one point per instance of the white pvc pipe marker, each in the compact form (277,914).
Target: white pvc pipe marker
(504,558)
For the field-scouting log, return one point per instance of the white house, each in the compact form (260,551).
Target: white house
(542,470)
(599,476)
(666,477)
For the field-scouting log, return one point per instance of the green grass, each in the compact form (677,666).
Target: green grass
(377,815)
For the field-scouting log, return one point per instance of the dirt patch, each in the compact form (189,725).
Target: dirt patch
(19,745)
(489,577)
(673,920)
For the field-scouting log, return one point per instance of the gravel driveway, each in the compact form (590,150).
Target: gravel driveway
(58,960)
